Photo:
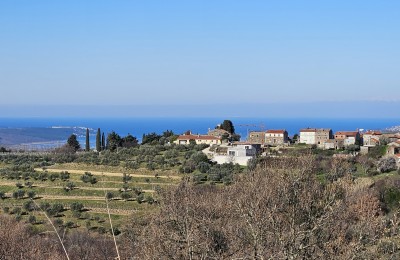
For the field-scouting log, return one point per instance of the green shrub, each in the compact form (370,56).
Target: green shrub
(76,206)
(32,219)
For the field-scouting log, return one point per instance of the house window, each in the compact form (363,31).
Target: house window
(231,153)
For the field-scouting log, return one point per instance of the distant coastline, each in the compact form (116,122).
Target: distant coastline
(41,132)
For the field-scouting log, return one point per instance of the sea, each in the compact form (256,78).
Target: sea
(243,125)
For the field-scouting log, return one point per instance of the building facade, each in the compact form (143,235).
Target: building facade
(348,137)
(257,137)
(372,138)
(239,152)
(315,136)
(198,139)
(276,137)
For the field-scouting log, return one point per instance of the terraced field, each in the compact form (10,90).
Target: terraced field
(132,197)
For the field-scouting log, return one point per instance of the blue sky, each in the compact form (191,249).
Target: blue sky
(198,55)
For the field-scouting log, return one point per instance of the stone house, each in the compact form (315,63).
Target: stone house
(315,135)
(276,137)
(393,148)
(218,132)
(334,144)
(397,157)
(348,137)
(257,137)
(371,138)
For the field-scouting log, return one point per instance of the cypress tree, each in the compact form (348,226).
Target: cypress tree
(98,140)
(87,140)
(103,142)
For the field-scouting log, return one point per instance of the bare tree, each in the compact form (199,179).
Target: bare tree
(278,211)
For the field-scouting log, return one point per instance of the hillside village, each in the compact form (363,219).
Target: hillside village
(224,150)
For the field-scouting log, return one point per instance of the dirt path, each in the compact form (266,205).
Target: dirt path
(125,212)
(78,188)
(112,211)
(117,174)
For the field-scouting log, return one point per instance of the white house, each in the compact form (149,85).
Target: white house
(239,152)
(199,139)
(315,136)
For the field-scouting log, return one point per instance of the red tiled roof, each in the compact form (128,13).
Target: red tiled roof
(375,140)
(347,133)
(315,130)
(373,133)
(198,137)
(308,130)
(275,131)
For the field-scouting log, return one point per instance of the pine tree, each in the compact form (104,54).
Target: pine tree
(73,143)
(98,140)
(103,142)
(228,126)
(87,140)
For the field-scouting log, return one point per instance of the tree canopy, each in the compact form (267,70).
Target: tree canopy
(227,125)
(114,141)
(73,143)
(129,141)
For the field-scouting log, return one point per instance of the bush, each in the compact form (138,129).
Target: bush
(203,167)
(109,195)
(29,184)
(18,217)
(140,198)
(69,186)
(58,222)
(198,178)
(116,231)
(2,195)
(44,206)
(31,194)
(76,206)
(126,196)
(101,230)
(64,176)
(373,173)
(88,177)
(387,247)
(29,206)
(387,164)
(132,165)
(70,224)
(55,209)
(16,210)
(150,199)
(19,194)
(32,219)
(54,176)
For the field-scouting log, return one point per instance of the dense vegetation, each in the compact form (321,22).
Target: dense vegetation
(170,201)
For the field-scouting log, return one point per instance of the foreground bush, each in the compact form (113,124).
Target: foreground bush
(21,242)
(279,211)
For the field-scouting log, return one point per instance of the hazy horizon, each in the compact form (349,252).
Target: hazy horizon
(372,110)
